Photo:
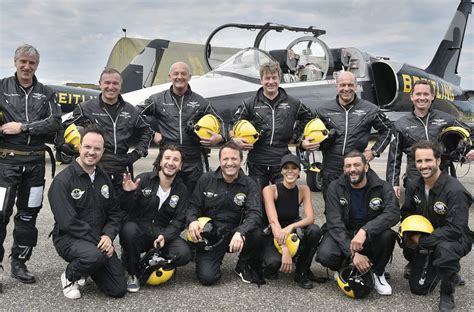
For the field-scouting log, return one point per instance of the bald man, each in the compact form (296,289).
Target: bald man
(174,113)
(352,119)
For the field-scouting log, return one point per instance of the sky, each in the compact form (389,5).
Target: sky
(75,37)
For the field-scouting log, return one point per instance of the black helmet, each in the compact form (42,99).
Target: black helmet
(210,234)
(353,283)
(456,142)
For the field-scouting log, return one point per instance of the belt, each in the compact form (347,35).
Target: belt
(9,152)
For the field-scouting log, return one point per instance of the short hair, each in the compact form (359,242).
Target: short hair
(270,67)
(423,144)
(356,154)
(423,82)
(26,49)
(185,65)
(110,71)
(169,147)
(93,128)
(232,145)
(339,73)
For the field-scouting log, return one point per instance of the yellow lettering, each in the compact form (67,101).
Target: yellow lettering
(62,98)
(406,83)
(76,98)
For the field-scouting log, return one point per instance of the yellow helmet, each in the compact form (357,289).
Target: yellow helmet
(316,130)
(456,142)
(413,223)
(155,270)
(292,242)
(207,122)
(354,284)
(72,136)
(243,129)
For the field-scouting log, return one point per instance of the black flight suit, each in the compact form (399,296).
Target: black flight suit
(84,210)
(279,122)
(234,207)
(22,159)
(447,208)
(383,212)
(146,222)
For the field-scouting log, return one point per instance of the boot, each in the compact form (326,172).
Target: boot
(20,272)
(446,299)
(302,280)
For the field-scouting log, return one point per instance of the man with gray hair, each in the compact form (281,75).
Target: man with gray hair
(175,112)
(29,113)
(350,120)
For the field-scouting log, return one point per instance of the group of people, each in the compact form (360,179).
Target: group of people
(97,198)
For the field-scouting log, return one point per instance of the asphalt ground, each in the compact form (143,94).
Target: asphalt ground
(184,293)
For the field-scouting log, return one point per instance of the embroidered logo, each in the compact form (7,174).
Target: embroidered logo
(146,192)
(174,201)
(239,199)
(440,208)
(210,195)
(416,199)
(77,193)
(359,112)
(104,190)
(284,106)
(439,122)
(343,201)
(38,96)
(193,104)
(375,203)
(125,115)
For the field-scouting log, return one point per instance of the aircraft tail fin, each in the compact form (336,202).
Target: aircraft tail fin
(141,71)
(445,62)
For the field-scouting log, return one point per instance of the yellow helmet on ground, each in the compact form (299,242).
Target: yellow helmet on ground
(456,142)
(72,136)
(315,129)
(243,129)
(353,283)
(207,123)
(155,270)
(413,223)
(292,243)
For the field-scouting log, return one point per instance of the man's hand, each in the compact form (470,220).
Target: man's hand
(286,261)
(11,127)
(397,191)
(159,242)
(105,245)
(470,155)
(157,138)
(369,154)
(195,230)
(236,243)
(357,243)
(307,145)
(361,262)
(215,139)
(243,144)
(127,183)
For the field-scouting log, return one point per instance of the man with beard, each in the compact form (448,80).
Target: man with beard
(159,200)
(232,200)
(360,209)
(445,202)
(87,220)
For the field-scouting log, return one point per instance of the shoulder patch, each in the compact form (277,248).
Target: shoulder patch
(77,193)
(239,199)
(146,192)
(440,208)
(375,203)
(174,201)
(104,190)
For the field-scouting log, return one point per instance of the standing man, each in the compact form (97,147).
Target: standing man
(445,202)
(351,119)
(276,115)
(159,200)
(29,114)
(232,200)
(122,123)
(176,111)
(87,219)
(360,210)
(424,123)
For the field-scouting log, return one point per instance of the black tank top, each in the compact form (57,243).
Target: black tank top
(287,205)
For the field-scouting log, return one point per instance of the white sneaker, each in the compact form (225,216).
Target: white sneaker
(133,285)
(70,289)
(381,285)
(82,282)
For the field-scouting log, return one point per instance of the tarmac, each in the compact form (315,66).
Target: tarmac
(184,293)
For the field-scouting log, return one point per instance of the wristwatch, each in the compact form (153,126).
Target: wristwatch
(24,128)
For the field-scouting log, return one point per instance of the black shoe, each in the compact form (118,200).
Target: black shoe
(243,271)
(20,272)
(310,275)
(407,271)
(446,302)
(303,281)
